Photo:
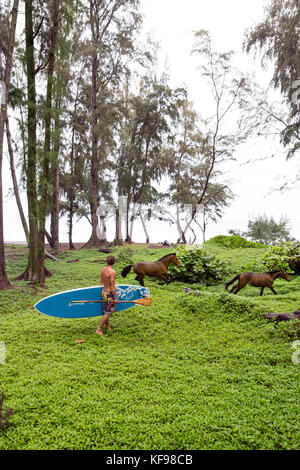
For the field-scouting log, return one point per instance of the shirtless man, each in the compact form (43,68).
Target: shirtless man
(109,294)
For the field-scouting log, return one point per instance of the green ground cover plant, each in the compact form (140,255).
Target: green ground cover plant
(197,370)
(233,241)
(286,255)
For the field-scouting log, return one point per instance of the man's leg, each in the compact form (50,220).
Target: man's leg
(103,322)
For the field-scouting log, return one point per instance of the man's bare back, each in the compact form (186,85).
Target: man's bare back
(109,293)
(108,280)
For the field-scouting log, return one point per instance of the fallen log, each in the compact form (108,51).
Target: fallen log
(283,316)
(51,256)
(73,260)
(104,250)
(96,260)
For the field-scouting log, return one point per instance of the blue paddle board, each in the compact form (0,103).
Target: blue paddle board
(59,305)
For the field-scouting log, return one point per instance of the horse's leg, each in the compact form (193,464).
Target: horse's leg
(238,288)
(235,288)
(139,275)
(241,284)
(262,291)
(273,290)
(164,278)
(140,278)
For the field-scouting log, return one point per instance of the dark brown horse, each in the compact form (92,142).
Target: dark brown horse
(261,280)
(157,268)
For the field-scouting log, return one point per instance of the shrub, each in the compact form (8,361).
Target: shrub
(125,257)
(286,256)
(234,241)
(198,266)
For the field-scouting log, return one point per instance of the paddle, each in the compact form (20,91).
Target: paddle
(146,301)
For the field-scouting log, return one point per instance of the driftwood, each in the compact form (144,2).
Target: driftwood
(96,260)
(283,316)
(51,256)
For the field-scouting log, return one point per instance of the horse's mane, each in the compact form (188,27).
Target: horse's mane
(273,272)
(166,256)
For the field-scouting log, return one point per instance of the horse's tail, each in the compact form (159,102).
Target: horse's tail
(126,270)
(232,280)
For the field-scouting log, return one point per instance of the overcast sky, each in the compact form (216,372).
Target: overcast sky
(173,23)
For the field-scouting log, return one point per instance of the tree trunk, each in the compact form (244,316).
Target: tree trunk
(118,237)
(94,240)
(144,227)
(204,227)
(4,282)
(14,178)
(101,227)
(181,232)
(194,212)
(55,210)
(47,142)
(36,271)
(94,192)
(127,237)
(132,221)
(70,189)
(32,270)
(71,246)
(55,176)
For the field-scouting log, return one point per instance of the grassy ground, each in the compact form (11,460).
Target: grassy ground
(189,372)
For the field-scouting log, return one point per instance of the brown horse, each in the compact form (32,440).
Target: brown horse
(157,268)
(261,280)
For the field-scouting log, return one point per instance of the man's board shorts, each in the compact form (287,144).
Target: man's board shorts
(108,305)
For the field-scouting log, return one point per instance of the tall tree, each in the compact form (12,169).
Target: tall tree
(277,37)
(53,33)
(37,190)
(6,49)
(74,175)
(185,154)
(70,28)
(32,271)
(141,160)
(112,25)
(221,134)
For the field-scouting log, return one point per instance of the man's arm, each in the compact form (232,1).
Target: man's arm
(113,286)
